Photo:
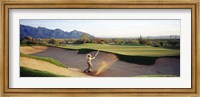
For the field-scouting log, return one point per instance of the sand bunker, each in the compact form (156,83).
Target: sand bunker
(107,64)
(46,66)
(32,49)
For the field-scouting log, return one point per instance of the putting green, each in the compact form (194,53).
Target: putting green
(128,50)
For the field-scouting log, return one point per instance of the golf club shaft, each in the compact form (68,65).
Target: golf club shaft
(96,53)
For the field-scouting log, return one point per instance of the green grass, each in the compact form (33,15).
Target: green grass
(157,75)
(50,60)
(144,55)
(127,50)
(28,72)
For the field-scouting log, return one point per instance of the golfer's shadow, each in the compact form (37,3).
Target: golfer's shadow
(93,73)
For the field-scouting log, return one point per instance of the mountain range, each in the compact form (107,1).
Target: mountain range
(42,32)
(163,37)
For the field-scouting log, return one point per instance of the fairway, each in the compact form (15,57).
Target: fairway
(128,50)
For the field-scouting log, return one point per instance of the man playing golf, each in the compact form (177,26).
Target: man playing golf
(89,59)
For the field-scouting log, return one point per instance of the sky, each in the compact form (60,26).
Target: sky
(112,28)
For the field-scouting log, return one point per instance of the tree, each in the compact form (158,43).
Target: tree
(55,42)
(28,40)
(161,43)
(140,40)
(134,42)
(84,37)
(173,43)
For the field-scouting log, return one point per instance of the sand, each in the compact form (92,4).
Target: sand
(32,49)
(46,66)
(115,67)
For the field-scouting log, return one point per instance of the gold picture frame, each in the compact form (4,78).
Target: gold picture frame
(120,92)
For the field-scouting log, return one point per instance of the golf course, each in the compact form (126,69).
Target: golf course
(100,47)
(112,60)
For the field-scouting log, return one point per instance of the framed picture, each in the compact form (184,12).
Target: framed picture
(100,48)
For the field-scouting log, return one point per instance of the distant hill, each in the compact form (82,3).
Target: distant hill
(163,37)
(149,37)
(42,32)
